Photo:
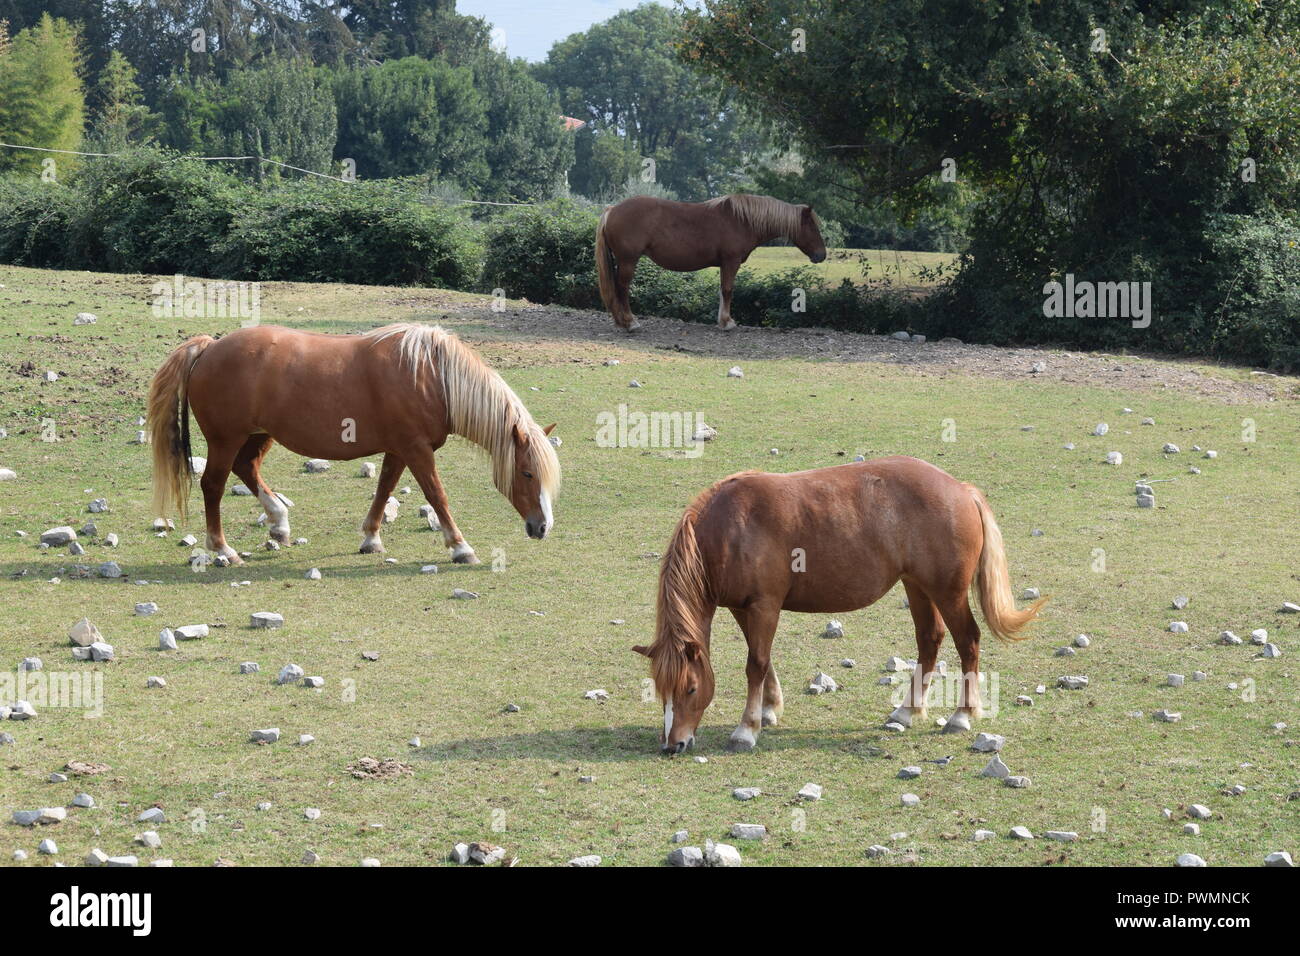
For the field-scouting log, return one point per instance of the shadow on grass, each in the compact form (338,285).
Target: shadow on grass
(617,744)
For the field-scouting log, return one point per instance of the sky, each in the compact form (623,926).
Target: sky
(530,27)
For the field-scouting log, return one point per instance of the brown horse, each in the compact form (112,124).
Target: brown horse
(399,390)
(685,236)
(833,539)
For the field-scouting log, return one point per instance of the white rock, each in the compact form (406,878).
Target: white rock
(1175,680)
(315,465)
(122,861)
(823,684)
(290,674)
(150,839)
(1114,458)
(1072,682)
(84,800)
(166,639)
(719,854)
(1017,783)
(96,857)
(84,633)
(748,831)
(313,574)
(367,470)
(1192,829)
(910,800)
(735,372)
(99,651)
(988,743)
(270,735)
(155,682)
(1101,429)
(266,619)
(1082,641)
(810,791)
(1229,639)
(47,847)
(1280,858)
(746,793)
(316,682)
(1178,627)
(1064,836)
(1170,448)
(686,856)
(191,632)
(585,861)
(598,694)
(982,836)
(1270,650)
(1200,811)
(909,773)
(1190,859)
(833,629)
(461,594)
(1167,716)
(57,537)
(1020,833)
(306,740)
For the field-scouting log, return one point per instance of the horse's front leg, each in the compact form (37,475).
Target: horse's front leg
(389,473)
(728,283)
(426,473)
(759,624)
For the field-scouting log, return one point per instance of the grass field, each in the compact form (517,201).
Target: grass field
(447,669)
(903,268)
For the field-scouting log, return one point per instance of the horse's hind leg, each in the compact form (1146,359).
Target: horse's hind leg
(966,635)
(422,466)
(759,624)
(623,293)
(929,635)
(248,466)
(773,701)
(389,473)
(221,454)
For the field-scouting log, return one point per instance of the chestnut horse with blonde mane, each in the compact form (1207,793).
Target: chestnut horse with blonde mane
(686,236)
(828,540)
(400,390)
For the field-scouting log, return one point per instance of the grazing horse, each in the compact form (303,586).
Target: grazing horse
(832,539)
(685,236)
(399,390)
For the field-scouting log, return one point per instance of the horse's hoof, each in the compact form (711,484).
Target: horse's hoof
(731,324)
(742,741)
(375,548)
(279,537)
(633,326)
(465,557)
(957,723)
(770,717)
(901,715)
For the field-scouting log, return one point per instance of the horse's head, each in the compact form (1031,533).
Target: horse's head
(808,237)
(534,479)
(683,678)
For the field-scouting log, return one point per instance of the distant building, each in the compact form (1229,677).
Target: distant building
(572,123)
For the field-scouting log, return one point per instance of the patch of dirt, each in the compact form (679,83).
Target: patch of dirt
(85,768)
(368,768)
(572,335)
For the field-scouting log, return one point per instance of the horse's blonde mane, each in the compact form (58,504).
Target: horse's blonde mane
(480,405)
(763,214)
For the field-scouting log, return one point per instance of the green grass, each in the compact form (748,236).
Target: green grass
(856,265)
(1225,537)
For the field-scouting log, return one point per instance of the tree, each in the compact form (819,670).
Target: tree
(120,117)
(623,77)
(41,98)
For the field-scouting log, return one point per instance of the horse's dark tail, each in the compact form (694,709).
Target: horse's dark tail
(606,268)
(169,427)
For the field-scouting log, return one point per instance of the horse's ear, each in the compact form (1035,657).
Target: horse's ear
(520,436)
(692,651)
(548,429)
(642,649)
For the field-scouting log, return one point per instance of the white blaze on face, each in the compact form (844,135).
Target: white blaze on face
(668,719)
(545,501)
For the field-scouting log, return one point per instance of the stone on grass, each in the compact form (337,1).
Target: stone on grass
(1270,650)
(84,633)
(1017,783)
(314,682)
(21,710)
(122,861)
(895,664)
(268,736)
(823,684)
(909,773)
(848,662)
(1280,858)
(996,768)
(810,791)
(315,466)
(1064,836)
(910,800)
(1190,859)
(155,682)
(313,574)
(1228,639)
(1178,627)
(460,594)
(686,856)
(1170,448)
(1289,607)
(99,651)
(1167,716)
(266,619)
(1175,680)
(1200,811)
(748,831)
(367,470)
(111,540)
(152,815)
(48,847)
(598,694)
(486,854)
(249,667)
(146,608)
(110,569)
(1082,641)
(988,743)
(1072,682)
(746,793)
(719,854)
(1020,833)
(585,861)
(982,836)
(31,664)
(1114,458)
(191,632)
(95,857)
(57,537)
(84,800)
(876,851)
(312,813)
(1192,829)
(150,839)
(833,629)
(1030,594)
(290,674)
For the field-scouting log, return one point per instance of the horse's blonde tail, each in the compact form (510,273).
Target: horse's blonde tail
(605,267)
(994,581)
(169,427)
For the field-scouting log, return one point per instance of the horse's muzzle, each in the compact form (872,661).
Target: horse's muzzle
(820,257)
(535,529)
(681,746)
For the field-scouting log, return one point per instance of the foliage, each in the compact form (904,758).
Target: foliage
(41,98)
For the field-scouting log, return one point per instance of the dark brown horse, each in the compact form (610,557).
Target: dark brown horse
(685,236)
(833,539)
(399,391)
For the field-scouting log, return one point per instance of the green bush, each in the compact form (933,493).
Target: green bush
(375,233)
(35,219)
(544,253)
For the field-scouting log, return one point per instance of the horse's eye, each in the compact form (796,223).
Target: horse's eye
(528,474)
(691,691)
